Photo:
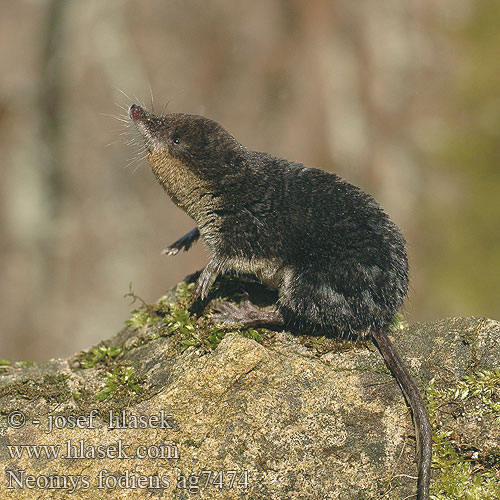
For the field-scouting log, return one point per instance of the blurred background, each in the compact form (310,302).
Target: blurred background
(402,98)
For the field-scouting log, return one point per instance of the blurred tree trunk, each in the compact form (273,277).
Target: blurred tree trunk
(50,119)
(48,174)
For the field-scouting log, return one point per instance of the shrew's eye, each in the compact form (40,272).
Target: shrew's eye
(176,140)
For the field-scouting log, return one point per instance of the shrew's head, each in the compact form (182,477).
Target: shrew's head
(201,144)
(191,156)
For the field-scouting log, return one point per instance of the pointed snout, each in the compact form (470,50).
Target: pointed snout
(137,113)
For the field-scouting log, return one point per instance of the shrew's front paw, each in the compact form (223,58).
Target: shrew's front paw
(206,279)
(184,242)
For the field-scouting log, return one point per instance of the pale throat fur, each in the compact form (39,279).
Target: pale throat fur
(182,185)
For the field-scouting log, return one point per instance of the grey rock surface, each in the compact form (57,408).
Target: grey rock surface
(294,417)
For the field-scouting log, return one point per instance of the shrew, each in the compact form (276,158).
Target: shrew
(337,260)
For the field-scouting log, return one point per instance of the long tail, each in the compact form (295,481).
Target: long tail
(423,429)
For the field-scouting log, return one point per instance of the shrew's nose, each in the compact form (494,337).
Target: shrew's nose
(137,113)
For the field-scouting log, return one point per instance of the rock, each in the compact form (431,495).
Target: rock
(260,414)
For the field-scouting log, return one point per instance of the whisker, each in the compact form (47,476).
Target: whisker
(136,159)
(141,150)
(112,142)
(138,164)
(165,107)
(120,90)
(140,102)
(122,107)
(152,98)
(116,117)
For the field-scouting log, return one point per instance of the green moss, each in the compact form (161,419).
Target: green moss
(171,317)
(457,479)
(465,470)
(121,379)
(483,387)
(398,322)
(22,364)
(251,333)
(139,319)
(52,388)
(167,314)
(100,354)
(184,290)
(5,362)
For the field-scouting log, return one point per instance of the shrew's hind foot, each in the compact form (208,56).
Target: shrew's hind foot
(245,314)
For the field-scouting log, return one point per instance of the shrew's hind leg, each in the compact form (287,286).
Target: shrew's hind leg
(245,314)
(184,242)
